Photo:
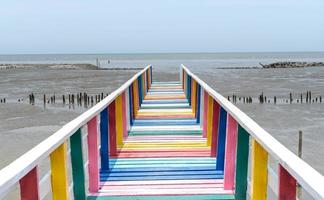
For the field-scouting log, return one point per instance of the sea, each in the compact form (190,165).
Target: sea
(165,61)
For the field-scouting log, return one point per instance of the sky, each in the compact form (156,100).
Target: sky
(148,26)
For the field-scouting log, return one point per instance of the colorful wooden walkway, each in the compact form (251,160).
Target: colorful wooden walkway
(161,141)
(165,155)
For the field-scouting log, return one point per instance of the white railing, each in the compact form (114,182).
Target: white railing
(14,172)
(311,180)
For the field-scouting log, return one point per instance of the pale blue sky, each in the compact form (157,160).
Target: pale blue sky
(133,26)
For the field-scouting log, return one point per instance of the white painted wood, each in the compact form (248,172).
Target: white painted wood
(45,185)
(311,180)
(12,173)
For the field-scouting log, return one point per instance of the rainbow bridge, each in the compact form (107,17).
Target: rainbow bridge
(176,140)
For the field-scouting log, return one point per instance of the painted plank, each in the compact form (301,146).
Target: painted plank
(230,153)
(59,179)
(215,122)
(124,115)
(93,168)
(193,96)
(198,103)
(77,166)
(205,118)
(259,172)
(176,197)
(104,140)
(112,129)
(135,99)
(287,185)
(221,139)
(209,120)
(242,156)
(119,119)
(29,186)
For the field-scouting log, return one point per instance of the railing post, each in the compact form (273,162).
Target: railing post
(119,120)
(104,141)
(209,120)
(77,166)
(59,179)
(205,114)
(193,96)
(130,101)
(93,153)
(140,90)
(124,113)
(201,110)
(135,99)
(112,128)
(216,110)
(259,172)
(189,90)
(198,103)
(221,139)
(230,152)
(287,185)
(242,160)
(29,186)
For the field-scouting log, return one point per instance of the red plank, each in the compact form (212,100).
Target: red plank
(29,186)
(112,129)
(287,185)
(216,108)
(93,154)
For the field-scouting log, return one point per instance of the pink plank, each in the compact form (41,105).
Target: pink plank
(161,192)
(216,109)
(163,182)
(29,186)
(287,185)
(125,131)
(230,153)
(205,114)
(93,155)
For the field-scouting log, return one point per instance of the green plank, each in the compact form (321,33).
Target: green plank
(242,156)
(77,166)
(193,197)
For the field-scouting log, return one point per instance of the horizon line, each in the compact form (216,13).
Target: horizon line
(138,53)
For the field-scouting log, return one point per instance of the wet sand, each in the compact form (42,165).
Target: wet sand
(22,125)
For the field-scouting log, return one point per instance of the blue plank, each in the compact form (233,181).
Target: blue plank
(140,92)
(104,149)
(130,105)
(221,139)
(198,103)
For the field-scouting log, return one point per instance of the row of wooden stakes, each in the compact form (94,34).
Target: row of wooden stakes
(263,99)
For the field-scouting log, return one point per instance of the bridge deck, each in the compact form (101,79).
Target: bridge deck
(165,155)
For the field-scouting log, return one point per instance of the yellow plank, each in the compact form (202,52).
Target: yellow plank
(119,120)
(59,179)
(259,172)
(209,120)
(193,95)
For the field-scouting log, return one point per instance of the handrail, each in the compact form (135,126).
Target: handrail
(310,179)
(12,173)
